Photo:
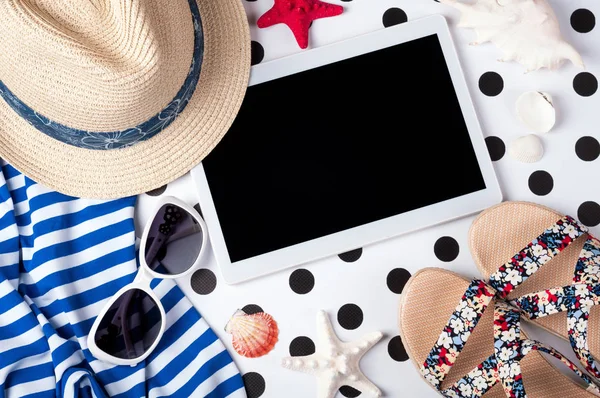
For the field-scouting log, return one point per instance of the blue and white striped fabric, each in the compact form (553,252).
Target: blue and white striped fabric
(61,259)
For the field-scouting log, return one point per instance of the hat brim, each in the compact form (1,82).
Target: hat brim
(108,174)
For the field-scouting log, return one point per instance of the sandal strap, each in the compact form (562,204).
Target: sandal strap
(455,334)
(587,269)
(537,253)
(559,299)
(477,382)
(530,345)
(576,299)
(509,349)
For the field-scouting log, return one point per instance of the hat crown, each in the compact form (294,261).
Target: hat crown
(95,65)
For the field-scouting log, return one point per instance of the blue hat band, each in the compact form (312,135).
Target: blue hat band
(129,136)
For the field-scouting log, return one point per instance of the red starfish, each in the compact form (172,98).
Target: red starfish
(298,15)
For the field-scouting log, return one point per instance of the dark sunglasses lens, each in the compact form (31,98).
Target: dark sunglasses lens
(130,326)
(174,241)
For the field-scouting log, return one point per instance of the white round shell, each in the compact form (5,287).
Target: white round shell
(527,149)
(536,111)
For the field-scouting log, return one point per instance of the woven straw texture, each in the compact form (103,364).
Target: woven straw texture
(105,65)
(503,230)
(428,300)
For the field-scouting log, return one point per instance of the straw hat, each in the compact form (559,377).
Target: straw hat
(110,98)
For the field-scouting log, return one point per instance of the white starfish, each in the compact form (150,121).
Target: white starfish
(335,363)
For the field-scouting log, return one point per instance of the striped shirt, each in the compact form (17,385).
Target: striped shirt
(61,260)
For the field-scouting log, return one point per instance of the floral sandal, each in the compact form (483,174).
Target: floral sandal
(567,287)
(496,357)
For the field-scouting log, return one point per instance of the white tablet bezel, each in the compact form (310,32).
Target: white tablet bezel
(375,231)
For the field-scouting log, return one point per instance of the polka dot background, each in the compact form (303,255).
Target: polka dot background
(360,289)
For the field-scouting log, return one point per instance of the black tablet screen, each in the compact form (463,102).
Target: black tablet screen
(340,146)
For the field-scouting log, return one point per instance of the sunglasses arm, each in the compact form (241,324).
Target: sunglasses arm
(185,233)
(154,248)
(160,241)
(120,319)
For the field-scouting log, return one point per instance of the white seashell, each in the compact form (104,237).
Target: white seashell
(536,111)
(527,31)
(527,149)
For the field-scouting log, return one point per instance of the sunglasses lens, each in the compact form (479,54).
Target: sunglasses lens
(130,326)
(174,241)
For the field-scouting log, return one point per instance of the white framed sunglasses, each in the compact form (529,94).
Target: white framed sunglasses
(131,324)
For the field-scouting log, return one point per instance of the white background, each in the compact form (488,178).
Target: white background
(364,281)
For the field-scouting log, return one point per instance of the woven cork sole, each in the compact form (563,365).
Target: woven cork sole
(501,231)
(428,300)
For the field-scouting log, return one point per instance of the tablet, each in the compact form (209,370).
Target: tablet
(344,145)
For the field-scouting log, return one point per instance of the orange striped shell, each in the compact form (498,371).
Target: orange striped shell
(254,335)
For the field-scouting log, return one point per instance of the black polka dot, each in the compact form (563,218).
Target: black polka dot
(396,349)
(496,147)
(257,52)
(351,256)
(396,279)
(491,84)
(204,281)
(587,148)
(197,207)
(541,182)
(446,248)
(302,281)
(350,316)
(585,84)
(252,309)
(583,20)
(589,213)
(349,392)
(394,16)
(158,191)
(255,384)
(302,346)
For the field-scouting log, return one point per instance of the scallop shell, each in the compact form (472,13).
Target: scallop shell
(527,149)
(253,335)
(536,111)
